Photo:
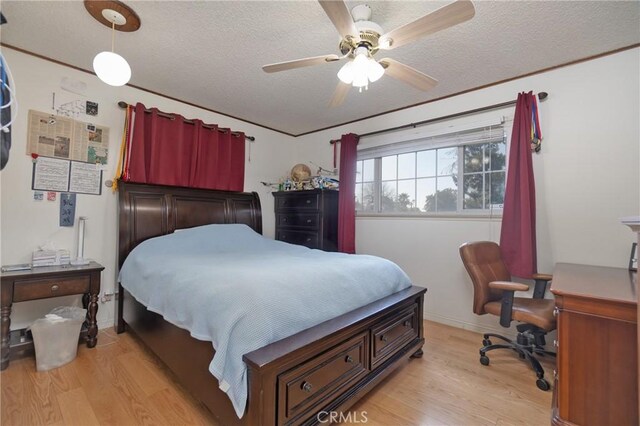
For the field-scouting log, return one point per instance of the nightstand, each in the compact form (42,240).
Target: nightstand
(43,283)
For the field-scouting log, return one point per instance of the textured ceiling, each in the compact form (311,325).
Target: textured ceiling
(210,53)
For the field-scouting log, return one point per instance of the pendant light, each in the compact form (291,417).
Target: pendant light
(110,67)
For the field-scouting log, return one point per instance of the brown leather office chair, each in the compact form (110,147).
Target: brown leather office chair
(493,293)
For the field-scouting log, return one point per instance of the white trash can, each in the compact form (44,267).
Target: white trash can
(55,336)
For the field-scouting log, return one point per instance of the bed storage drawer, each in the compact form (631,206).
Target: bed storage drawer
(44,288)
(320,379)
(401,328)
(303,238)
(298,220)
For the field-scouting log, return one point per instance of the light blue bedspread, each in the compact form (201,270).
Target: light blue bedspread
(229,285)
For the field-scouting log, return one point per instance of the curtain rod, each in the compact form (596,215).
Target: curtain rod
(123,104)
(542,96)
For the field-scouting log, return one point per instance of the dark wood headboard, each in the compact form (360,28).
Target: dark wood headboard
(147,211)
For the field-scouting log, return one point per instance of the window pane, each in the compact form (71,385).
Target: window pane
(426,198)
(407,165)
(498,156)
(497,184)
(447,161)
(473,193)
(447,193)
(406,201)
(367,170)
(473,158)
(359,171)
(390,167)
(427,163)
(367,197)
(358,196)
(388,196)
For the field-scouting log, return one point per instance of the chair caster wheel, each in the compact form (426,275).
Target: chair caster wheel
(484,360)
(543,384)
(486,342)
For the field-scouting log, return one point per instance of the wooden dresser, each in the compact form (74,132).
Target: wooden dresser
(597,370)
(308,218)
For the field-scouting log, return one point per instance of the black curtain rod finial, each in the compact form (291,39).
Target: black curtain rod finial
(542,95)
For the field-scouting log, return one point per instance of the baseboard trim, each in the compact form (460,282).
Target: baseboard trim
(478,328)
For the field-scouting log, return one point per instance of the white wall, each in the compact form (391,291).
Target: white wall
(587,176)
(26,224)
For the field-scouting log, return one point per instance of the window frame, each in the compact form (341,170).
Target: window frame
(460,212)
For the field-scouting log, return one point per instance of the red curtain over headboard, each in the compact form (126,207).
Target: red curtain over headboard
(165,149)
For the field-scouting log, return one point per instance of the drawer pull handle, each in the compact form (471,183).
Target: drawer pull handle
(407,323)
(556,311)
(307,387)
(309,239)
(348,359)
(55,287)
(308,201)
(284,219)
(383,338)
(308,220)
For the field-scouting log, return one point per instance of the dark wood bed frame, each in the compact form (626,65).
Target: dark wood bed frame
(297,380)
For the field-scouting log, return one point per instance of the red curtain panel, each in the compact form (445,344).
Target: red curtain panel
(171,151)
(518,234)
(346,198)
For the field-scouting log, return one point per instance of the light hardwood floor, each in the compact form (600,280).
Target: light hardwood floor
(121,383)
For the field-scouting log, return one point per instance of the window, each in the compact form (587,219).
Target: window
(463,172)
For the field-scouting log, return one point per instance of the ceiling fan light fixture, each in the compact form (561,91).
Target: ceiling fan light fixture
(346,73)
(112,68)
(374,70)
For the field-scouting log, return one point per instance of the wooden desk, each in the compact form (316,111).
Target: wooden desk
(597,370)
(42,283)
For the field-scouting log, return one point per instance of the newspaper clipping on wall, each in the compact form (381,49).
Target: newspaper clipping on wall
(65,138)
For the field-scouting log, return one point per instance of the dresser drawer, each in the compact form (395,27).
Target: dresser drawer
(298,220)
(308,239)
(318,380)
(299,200)
(401,328)
(43,288)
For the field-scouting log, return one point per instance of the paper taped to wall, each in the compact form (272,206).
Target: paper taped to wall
(65,138)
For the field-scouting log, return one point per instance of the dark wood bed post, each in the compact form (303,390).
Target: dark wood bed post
(325,368)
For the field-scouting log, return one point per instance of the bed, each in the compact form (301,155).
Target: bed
(299,379)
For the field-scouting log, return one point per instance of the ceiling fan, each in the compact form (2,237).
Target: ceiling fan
(362,39)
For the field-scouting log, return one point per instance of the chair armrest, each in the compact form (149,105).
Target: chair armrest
(541,284)
(506,304)
(542,277)
(508,286)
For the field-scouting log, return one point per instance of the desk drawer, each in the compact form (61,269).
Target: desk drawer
(43,288)
(399,330)
(299,200)
(310,221)
(318,380)
(308,239)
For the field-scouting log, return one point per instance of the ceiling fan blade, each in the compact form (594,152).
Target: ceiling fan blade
(408,75)
(340,94)
(339,14)
(447,16)
(300,63)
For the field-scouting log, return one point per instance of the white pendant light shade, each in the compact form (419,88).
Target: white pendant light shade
(346,73)
(374,70)
(112,68)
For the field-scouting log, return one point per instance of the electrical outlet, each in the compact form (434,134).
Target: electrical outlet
(106,297)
